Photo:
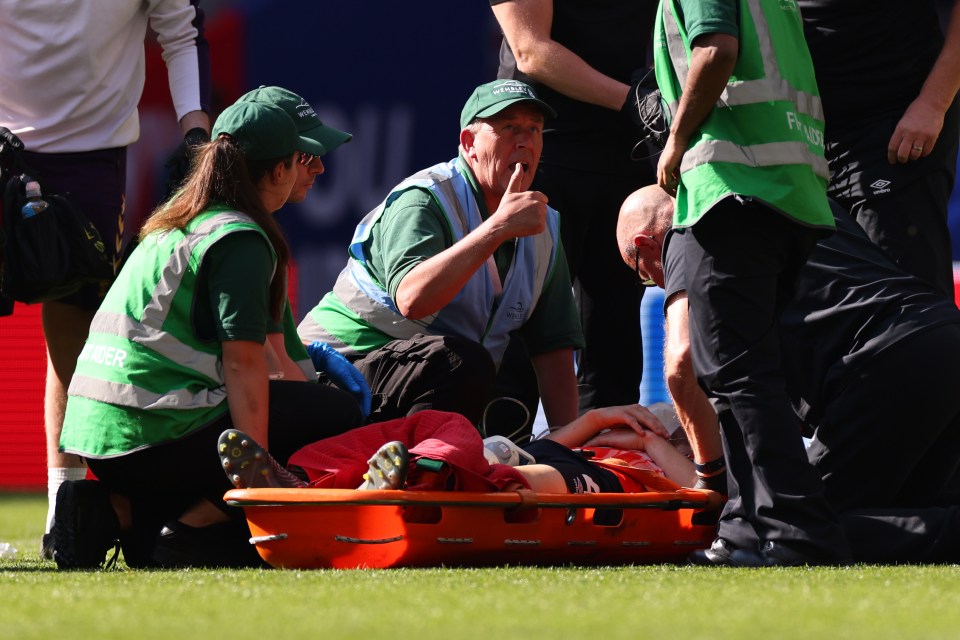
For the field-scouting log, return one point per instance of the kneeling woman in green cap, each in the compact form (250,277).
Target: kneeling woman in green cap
(195,336)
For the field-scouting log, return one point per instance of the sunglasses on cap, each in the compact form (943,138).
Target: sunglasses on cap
(306,158)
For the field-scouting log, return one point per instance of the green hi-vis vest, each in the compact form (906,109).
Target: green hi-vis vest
(143,377)
(764,137)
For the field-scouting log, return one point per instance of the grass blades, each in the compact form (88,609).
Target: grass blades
(671,602)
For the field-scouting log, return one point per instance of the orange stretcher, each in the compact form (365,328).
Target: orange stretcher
(350,529)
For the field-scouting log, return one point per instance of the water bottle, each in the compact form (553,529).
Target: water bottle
(35,204)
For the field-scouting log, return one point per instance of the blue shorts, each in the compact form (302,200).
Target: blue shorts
(96,182)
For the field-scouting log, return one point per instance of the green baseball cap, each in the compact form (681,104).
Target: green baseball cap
(263,131)
(306,119)
(493,97)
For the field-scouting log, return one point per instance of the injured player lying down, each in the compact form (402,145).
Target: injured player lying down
(608,450)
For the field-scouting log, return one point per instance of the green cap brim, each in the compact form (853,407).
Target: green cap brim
(500,106)
(311,146)
(327,136)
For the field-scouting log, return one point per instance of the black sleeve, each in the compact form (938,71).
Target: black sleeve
(674,278)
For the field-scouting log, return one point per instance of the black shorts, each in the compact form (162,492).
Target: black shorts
(579,474)
(96,182)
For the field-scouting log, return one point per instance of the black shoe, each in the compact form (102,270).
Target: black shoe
(387,468)
(46,546)
(226,544)
(85,526)
(717,555)
(782,554)
(250,466)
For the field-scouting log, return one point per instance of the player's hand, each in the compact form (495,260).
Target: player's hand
(634,416)
(621,438)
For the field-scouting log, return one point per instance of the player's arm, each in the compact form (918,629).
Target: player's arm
(625,420)
(675,465)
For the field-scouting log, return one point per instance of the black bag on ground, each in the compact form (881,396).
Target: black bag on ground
(50,254)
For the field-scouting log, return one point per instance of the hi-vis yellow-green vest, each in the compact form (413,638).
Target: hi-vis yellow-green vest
(144,377)
(764,137)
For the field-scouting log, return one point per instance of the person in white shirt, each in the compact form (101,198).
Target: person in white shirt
(71,77)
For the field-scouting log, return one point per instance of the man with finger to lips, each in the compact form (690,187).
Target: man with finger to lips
(457,257)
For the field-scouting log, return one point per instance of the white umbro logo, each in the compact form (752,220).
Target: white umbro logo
(880,184)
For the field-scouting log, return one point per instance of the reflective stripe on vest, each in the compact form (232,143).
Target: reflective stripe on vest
(471,314)
(771,88)
(769,154)
(128,395)
(147,332)
(310,331)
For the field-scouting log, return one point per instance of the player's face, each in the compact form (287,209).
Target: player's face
(308,168)
(515,135)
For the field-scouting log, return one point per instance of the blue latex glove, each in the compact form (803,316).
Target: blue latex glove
(341,373)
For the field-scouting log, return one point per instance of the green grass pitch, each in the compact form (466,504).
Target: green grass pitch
(631,602)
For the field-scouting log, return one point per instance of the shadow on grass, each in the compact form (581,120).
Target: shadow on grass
(27,566)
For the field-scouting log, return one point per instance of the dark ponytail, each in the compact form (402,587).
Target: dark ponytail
(222,173)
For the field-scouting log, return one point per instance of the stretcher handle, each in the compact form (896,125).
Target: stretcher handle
(682,498)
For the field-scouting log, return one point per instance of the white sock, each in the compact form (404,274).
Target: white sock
(55,477)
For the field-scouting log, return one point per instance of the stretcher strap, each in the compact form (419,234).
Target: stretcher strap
(528,499)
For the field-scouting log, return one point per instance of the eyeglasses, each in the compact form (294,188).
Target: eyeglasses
(644,282)
(306,158)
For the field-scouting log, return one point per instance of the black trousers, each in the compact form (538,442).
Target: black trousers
(741,265)
(902,207)
(162,482)
(445,373)
(888,449)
